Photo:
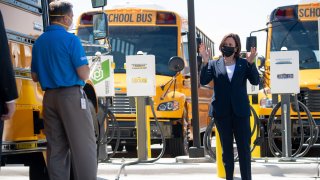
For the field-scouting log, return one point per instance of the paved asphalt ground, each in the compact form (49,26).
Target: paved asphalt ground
(170,169)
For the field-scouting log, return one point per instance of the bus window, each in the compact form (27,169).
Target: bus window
(297,35)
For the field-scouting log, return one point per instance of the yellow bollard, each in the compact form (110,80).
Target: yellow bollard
(220,167)
(221,173)
(143,128)
(256,153)
(148,116)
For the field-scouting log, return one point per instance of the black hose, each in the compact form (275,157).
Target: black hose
(256,127)
(296,104)
(313,131)
(163,144)
(207,139)
(107,120)
(106,141)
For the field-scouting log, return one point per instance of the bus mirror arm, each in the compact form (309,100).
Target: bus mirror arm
(259,30)
(252,40)
(172,80)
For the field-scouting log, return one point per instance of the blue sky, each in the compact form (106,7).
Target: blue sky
(215,18)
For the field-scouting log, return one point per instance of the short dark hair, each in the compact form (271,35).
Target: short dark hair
(59,8)
(236,39)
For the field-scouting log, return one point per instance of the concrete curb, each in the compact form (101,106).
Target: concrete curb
(301,168)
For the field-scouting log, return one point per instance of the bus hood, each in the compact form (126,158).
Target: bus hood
(310,79)
(120,82)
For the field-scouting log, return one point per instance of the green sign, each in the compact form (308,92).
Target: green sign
(102,73)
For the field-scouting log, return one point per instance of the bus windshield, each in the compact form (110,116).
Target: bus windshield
(298,35)
(129,40)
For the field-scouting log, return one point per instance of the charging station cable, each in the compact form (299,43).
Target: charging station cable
(150,101)
(313,130)
(108,119)
(208,132)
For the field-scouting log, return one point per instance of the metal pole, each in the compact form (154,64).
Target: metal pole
(286,128)
(141,128)
(195,151)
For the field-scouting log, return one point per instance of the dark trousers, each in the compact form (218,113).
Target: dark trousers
(239,128)
(70,135)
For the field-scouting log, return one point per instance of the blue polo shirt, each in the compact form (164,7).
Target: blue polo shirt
(56,55)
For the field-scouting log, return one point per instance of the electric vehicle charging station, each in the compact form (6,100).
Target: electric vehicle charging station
(284,72)
(102,76)
(141,77)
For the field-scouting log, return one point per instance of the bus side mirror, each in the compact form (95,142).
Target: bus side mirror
(251,42)
(100,26)
(176,64)
(98,3)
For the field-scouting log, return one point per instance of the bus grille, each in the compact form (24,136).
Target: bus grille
(311,98)
(122,104)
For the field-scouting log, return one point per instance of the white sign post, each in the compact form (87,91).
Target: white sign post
(284,72)
(141,75)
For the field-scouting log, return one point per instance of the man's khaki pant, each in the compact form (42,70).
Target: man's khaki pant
(70,135)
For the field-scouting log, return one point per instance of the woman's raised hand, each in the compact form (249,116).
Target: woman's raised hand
(250,56)
(204,53)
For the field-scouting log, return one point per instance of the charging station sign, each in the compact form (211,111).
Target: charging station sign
(141,75)
(103,77)
(284,72)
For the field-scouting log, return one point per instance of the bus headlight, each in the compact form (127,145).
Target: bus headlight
(266,103)
(168,106)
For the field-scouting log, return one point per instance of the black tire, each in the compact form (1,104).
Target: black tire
(179,144)
(131,148)
(38,169)
(265,149)
(120,148)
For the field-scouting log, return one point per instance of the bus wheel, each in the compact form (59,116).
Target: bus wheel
(185,134)
(120,148)
(264,147)
(179,144)
(38,169)
(131,148)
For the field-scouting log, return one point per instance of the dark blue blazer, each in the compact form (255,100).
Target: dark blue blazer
(229,97)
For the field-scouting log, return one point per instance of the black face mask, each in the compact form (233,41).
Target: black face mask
(227,51)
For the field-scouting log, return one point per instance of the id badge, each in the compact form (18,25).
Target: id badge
(83,103)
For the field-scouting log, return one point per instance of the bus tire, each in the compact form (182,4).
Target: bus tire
(264,148)
(120,148)
(179,144)
(131,148)
(38,169)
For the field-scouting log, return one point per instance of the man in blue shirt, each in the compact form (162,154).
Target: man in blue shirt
(60,65)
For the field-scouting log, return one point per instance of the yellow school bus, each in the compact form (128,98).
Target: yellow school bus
(162,34)
(24,141)
(293,28)
(23,137)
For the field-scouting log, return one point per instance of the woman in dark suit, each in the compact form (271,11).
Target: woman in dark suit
(230,104)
